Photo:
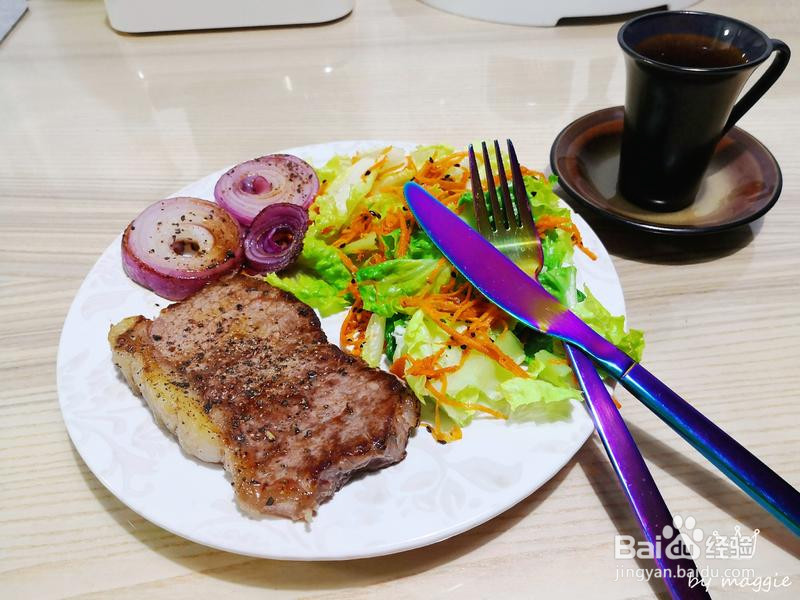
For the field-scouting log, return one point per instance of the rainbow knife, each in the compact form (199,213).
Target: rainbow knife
(512,290)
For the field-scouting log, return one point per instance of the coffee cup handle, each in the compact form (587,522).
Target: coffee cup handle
(762,85)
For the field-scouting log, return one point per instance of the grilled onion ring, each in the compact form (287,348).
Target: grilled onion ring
(248,188)
(176,246)
(275,237)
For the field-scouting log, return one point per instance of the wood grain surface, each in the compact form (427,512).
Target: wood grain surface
(95,125)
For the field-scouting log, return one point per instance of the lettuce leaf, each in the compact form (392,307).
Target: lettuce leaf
(372,350)
(557,249)
(421,246)
(424,153)
(538,400)
(318,278)
(344,195)
(421,337)
(552,368)
(324,261)
(390,242)
(533,341)
(368,242)
(610,327)
(395,327)
(560,281)
(543,199)
(478,380)
(384,203)
(311,290)
(383,286)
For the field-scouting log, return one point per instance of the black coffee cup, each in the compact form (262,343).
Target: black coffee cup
(685,70)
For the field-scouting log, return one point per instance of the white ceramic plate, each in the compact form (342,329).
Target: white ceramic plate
(438,491)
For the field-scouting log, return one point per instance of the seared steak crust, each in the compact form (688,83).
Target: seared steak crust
(242,372)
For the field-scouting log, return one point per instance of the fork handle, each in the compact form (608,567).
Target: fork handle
(762,483)
(680,572)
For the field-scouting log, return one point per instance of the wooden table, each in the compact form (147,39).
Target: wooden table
(95,125)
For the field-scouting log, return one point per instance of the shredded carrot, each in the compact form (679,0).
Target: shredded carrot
(431,278)
(538,174)
(428,366)
(354,327)
(405,238)
(383,156)
(487,346)
(399,366)
(442,178)
(359,225)
(347,262)
(481,342)
(438,434)
(547,222)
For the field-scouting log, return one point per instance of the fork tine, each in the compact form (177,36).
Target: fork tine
(496,214)
(524,206)
(478,199)
(520,194)
(510,219)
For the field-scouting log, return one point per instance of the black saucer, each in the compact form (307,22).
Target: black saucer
(741,184)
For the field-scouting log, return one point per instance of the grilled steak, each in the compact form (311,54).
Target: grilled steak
(242,373)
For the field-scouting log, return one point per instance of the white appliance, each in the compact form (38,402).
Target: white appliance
(548,12)
(10,13)
(140,16)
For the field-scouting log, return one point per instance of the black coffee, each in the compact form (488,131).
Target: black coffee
(691,50)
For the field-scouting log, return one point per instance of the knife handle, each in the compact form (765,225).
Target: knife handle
(681,575)
(762,483)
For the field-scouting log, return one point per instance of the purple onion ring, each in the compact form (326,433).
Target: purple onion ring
(248,188)
(275,238)
(178,245)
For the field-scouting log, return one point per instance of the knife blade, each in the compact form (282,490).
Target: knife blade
(512,290)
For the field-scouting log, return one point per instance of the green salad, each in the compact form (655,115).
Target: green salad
(364,254)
